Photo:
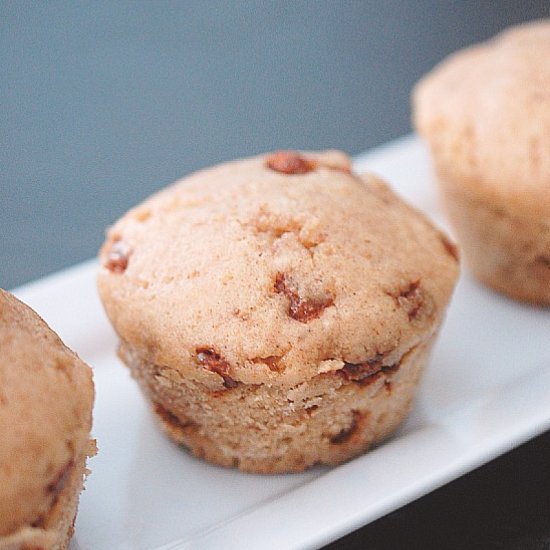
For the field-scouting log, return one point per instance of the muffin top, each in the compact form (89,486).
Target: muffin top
(272,270)
(46,396)
(486,114)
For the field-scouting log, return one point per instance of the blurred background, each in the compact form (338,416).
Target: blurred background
(103,103)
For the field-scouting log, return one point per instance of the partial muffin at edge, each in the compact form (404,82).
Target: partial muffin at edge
(46,399)
(485,113)
(263,293)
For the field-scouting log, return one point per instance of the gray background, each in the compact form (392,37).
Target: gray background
(104,102)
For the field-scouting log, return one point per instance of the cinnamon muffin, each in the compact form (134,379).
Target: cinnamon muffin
(485,113)
(46,397)
(277,311)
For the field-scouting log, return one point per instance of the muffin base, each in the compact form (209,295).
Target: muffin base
(506,252)
(273,429)
(54,531)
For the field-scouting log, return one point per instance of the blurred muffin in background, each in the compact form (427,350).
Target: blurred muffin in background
(485,113)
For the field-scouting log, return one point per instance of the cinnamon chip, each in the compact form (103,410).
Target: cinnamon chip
(300,309)
(289,162)
(214,362)
(118,257)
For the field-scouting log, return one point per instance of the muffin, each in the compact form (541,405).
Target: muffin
(46,397)
(485,113)
(277,311)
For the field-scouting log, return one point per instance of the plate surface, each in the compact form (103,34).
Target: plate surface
(486,390)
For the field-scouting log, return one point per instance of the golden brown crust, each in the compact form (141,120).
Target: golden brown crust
(264,304)
(276,274)
(269,429)
(55,529)
(46,396)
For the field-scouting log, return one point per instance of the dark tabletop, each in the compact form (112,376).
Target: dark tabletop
(102,103)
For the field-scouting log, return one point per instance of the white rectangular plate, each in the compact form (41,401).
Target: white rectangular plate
(486,390)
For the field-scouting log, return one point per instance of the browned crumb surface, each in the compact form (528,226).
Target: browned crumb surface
(272,429)
(274,270)
(46,396)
